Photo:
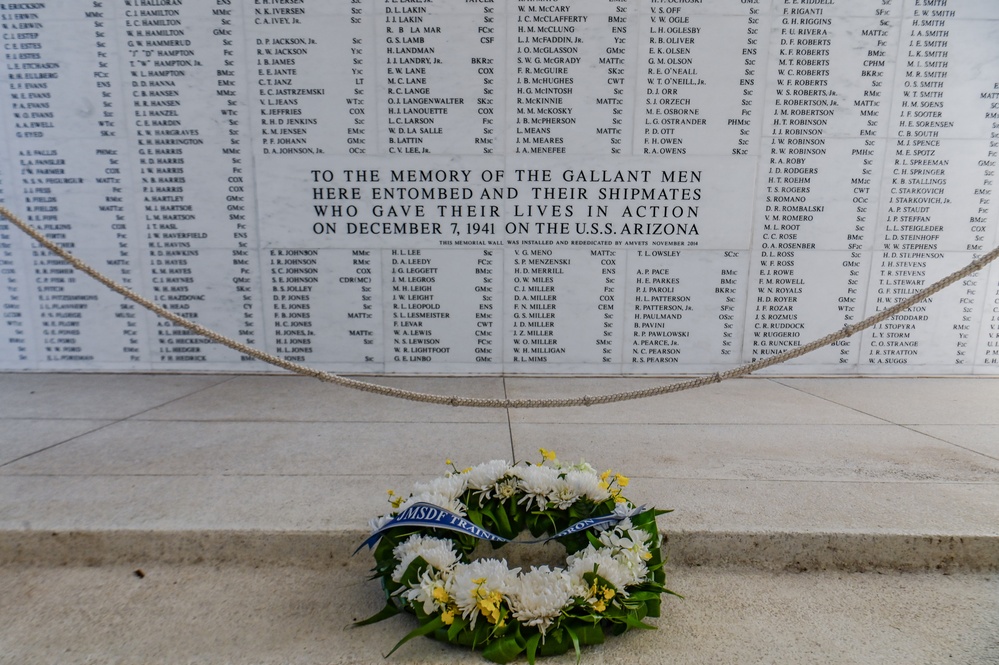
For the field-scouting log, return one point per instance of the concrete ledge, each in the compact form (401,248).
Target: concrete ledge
(286,615)
(768,551)
(851,552)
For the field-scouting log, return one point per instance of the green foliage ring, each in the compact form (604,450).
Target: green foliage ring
(612,582)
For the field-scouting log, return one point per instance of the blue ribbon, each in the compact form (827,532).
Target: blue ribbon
(583,525)
(429,515)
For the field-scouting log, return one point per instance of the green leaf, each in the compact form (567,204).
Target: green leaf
(555,643)
(459,624)
(574,543)
(575,642)
(502,650)
(464,638)
(534,524)
(615,612)
(590,634)
(634,621)
(481,633)
(532,647)
(551,521)
(618,628)
(389,610)
(645,518)
(411,577)
(503,522)
(641,611)
(423,629)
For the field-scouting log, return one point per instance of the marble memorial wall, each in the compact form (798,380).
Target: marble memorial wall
(469,186)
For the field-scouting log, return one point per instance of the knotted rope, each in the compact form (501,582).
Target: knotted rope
(455,400)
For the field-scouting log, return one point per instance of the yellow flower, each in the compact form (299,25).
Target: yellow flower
(600,596)
(448,462)
(448,617)
(547,454)
(489,605)
(621,480)
(440,595)
(488,602)
(619,499)
(605,475)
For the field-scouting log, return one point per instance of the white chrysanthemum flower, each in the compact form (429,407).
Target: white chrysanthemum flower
(441,555)
(505,489)
(430,592)
(538,597)
(479,587)
(376,523)
(537,483)
(563,495)
(483,477)
(405,553)
(587,483)
(436,499)
(437,552)
(608,568)
(451,486)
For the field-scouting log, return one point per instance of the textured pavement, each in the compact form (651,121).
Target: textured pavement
(241,497)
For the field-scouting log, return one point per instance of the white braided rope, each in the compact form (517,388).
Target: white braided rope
(455,400)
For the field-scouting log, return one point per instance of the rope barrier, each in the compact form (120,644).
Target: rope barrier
(454,400)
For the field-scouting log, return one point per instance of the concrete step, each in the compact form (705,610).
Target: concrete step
(846,474)
(241,498)
(161,614)
(767,551)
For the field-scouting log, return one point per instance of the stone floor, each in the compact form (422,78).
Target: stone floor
(224,488)
(281,615)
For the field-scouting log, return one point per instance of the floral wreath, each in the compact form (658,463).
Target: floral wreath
(612,581)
